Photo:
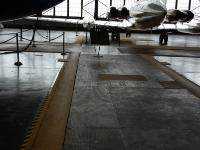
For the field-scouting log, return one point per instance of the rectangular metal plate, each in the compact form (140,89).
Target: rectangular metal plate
(165,63)
(171,85)
(62,60)
(121,77)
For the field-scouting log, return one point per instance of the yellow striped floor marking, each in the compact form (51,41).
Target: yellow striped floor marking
(49,125)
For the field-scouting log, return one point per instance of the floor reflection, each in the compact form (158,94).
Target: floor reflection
(22,89)
(188,67)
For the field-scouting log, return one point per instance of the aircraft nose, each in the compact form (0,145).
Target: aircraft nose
(157,8)
(150,21)
(158,11)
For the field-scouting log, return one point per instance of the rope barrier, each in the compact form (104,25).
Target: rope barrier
(48,38)
(56,37)
(7,33)
(21,37)
(41,35)
(31,40)
(14,32)
(8,40)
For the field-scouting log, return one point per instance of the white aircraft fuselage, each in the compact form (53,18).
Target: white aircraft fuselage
(147,14)
(143,14)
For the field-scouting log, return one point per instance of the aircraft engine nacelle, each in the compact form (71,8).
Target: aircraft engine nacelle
(188,16)
(181,16)
(124,13)
(114,13)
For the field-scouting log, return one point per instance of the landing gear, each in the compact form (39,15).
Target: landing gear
(98,54)
(115,36)
(128,33)
(163,39)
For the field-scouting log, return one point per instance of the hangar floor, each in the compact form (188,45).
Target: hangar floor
(122,101)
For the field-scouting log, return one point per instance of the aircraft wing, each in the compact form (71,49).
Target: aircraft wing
(130,24)
(89,23)
(189,28)
(119,24)
(192,27)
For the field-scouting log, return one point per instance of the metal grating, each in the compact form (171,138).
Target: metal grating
(62,60)
(165,63)
(121,77)
(171,85)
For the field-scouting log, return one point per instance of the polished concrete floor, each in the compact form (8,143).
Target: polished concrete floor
(189,67)
(22,90)
(105,114)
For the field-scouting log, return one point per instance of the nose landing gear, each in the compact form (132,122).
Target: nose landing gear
(163,39)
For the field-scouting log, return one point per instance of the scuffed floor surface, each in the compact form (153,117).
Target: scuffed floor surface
(130,115)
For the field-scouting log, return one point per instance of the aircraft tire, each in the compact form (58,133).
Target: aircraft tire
(165,39)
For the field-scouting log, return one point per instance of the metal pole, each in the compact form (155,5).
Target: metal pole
(81,8)
(119,38)
(176,4)
(63,52)
(33,45)
(99,50)
(124,3)
(21,36)
(77,28)
(67,8)
(18,63)
(189,5)
(49,34)
(96,10)
(86,38)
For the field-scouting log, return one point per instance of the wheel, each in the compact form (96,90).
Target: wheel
(161,39)
(165,39)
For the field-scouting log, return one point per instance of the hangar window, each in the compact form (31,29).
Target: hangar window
(88,8)
(103,7)
(48,12)
(130,2)
(83,8)
(171,4)
(183,4)
(61,9)
(117,3)
(195,6)
(75,8)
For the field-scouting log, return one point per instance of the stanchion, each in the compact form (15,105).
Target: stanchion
(33,45)
(18,63)
(77,28)
(119,42)
(86,40)
(21,33)
(49,34)
(63,52)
